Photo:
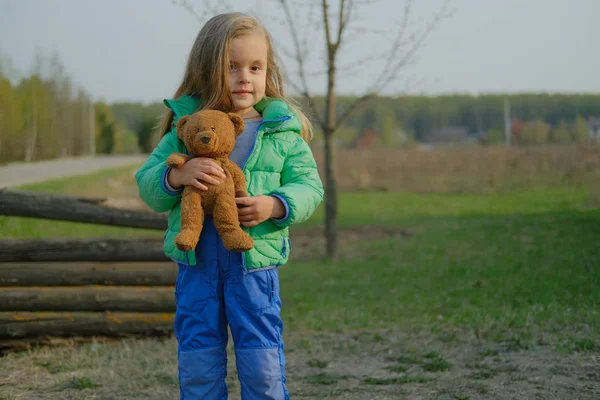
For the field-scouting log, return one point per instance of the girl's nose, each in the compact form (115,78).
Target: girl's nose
(244,76)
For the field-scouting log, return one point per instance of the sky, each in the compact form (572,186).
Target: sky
(136,50)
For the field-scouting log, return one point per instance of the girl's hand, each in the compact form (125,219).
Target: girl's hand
(256,209)
(197,172)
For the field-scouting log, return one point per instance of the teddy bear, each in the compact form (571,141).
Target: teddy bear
(212,134)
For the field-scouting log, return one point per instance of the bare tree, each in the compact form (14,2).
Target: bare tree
(337,27)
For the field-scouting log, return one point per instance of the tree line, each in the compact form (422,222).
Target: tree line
(535,118)
(45,115)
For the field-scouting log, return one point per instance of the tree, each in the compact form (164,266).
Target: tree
(105,128)
(395,59)
(126,141)
(494,136)
(10,121)
(144,131)
(7,69)
(36,99)
(581,129)
(40,119)
(389,128)
(561,133)
(335,25)
(536,132)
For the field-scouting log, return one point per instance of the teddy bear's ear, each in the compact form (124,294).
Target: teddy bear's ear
(238,123)
(180,124)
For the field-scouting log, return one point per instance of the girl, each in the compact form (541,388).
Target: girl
(232,67)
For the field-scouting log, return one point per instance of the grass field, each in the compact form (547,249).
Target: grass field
(116,184)
(475,295)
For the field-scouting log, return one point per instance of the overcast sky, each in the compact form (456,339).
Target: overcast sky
(135,50)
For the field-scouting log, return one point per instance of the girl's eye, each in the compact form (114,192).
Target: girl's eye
(232,67)
(255,68)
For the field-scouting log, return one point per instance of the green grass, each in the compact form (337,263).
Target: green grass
(385,208)
(505,266)
(400,380)
(516,270)
(101,183)
(21,228)
(435,363)
(491,263)
(115,182)
(80,383)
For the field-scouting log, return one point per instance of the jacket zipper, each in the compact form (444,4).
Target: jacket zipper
(284,120)
(284,248)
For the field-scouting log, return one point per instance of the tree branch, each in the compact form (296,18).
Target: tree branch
(209,9)
(326,25)
(396,44)
(311,18)
(390,72)
(340,120)
(358,63)
(392,68)
(311,104)
(336,45)
(300,60)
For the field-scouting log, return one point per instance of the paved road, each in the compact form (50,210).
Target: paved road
(25,173)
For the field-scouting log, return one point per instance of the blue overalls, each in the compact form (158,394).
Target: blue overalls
(216,292)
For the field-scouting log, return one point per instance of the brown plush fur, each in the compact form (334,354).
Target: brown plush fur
(211,133)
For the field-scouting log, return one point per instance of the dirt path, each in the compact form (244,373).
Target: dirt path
(25,173)
(368,365)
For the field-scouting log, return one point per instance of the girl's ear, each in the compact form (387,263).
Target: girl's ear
(180,124)
(238,123)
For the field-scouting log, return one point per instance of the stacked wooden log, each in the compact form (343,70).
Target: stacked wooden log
(83,287)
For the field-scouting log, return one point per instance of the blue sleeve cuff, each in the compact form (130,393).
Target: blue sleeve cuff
(165,184)
(287,210)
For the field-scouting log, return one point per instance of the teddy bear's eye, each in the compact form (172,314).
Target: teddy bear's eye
(213,128)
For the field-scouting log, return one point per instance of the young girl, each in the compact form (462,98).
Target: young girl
(232,67)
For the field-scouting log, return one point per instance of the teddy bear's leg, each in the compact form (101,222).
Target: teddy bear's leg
(228,224)
(192,219)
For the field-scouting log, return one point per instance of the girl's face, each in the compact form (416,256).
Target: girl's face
(248,72)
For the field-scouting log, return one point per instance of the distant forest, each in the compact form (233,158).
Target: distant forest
(46,115)
(536,118)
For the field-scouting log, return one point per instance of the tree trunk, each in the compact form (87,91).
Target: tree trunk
(31,142)
(87,273)
(88,298)
(65,208)
(68,324)
(92,129)
(130,249)
(1,130)
(331,235)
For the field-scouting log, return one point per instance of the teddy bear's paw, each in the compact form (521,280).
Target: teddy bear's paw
(238,241)
(174,162)
(186,241)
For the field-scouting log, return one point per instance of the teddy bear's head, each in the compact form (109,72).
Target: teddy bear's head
(210,133)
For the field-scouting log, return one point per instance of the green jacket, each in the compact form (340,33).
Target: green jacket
(280,164)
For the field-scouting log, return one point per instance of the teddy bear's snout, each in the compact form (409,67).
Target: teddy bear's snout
(205,139)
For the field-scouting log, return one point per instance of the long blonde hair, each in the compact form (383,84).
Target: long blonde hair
(208,64)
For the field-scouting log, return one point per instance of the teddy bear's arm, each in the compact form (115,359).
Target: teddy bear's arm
(176,160)
(239,181)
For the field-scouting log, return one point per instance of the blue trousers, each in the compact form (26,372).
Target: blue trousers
(218,292)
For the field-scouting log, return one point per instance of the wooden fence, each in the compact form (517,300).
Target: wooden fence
(82,287)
